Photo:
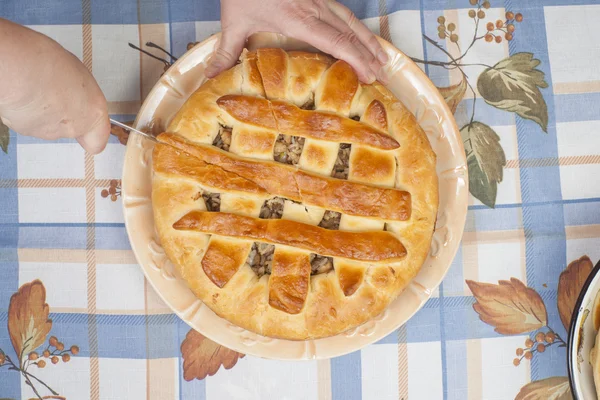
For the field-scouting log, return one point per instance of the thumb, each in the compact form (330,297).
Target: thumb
(94,141)
(228,51)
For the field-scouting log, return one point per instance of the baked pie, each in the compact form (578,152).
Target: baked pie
(293,200)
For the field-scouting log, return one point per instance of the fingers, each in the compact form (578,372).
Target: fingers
(228,51)
(94,141)
(336,22)
(326,38)
(364,34)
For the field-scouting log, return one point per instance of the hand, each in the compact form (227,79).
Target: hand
(325,24)
(46,92)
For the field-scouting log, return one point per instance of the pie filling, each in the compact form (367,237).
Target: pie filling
(223,139)
(287,150)
(340,168)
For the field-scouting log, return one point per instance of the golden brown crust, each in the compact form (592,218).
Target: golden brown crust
(288,119)
(289,303)
(340,89)
(333,194)
(272,64)
(289,281)
(364,246)
(169,161)
(222,259)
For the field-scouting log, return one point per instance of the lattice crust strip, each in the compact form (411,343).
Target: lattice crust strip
(294,201)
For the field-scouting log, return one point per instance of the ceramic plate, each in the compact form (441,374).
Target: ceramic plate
(413,88)
(582,337)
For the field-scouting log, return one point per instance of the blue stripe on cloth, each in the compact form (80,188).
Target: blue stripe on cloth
(424,326)
(9,265)
(120,334)
(195,389)
(9,260)
(120,12)
(587,213)
(545,239)
(112,238)
(193,10)
(20,139)
(576,107)
(182,33)
(153,11)
(163,336)
(65,236)
(69,12)
(8,160)
(8,203)
(455,374)
(443,343)
(10,381)
(438,5)
(346,376)
(454,282)
(52,237)
(41,12)
(498,219)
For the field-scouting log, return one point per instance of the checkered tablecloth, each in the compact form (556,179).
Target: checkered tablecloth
(530,112)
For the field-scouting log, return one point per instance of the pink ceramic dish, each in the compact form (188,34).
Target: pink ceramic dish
(410,85)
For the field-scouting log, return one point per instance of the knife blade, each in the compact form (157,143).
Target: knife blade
(130,129)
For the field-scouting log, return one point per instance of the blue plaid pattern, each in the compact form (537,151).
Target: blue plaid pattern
(443,352)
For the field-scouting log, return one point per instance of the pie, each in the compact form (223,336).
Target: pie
(293,200)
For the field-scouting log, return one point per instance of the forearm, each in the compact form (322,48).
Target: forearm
(21,49)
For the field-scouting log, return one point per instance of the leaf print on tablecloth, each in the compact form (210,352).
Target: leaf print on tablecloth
(202,357)
(513,85)
(454,94)
(555,388)
(28,323)
(485,160)
(569,285)
(121,133)
(4,137)
(510,307)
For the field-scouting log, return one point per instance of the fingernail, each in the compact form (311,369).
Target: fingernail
(382,56)
(95,140)
(211,70)
(371,77)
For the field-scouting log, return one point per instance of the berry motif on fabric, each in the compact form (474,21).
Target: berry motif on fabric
(512,84)
(114,190)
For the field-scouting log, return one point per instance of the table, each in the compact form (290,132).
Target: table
(527,100)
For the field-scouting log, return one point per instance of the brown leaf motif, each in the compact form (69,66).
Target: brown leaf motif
(555,388)
(454,94)
(569,285)
(28,323)
(510,307)
(202,357)
(4,137)
(121,133)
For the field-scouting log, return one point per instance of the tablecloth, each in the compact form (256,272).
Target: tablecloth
(524,83)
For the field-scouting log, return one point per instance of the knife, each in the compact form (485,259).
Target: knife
(130,129)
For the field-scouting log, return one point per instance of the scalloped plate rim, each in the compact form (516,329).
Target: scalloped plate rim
(357,341)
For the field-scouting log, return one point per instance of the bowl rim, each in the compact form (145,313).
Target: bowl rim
(573,329)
